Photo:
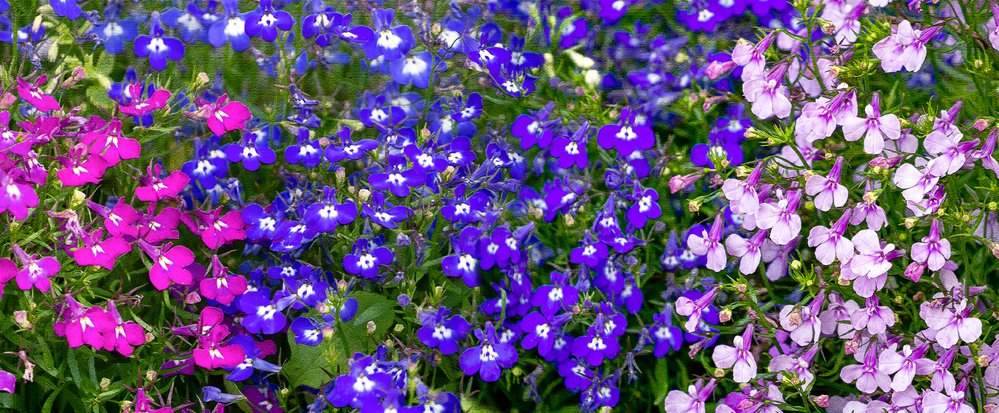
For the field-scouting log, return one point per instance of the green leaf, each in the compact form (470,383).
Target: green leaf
(308,365)
(98,96)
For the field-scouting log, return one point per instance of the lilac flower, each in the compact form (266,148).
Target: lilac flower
(830,243)
(490,357)
(768,95)
(827,190)
(932,250)
(693,401)
(742,195)
(868,375)
(951,400)
(874,128)
(693,309)
(905,365)
(750,251)
(803,322)
(904,47)
(873,317)
(952,325)
(709,244)
(781,218)
(158,47)
(737,357)
(752,56)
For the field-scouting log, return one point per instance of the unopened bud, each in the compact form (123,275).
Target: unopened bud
(821,401)
(105,383)
(21,319)
(981,125)
(725,315)
(372,327)
(192,298)
(828,28)
(983,360)
(201,80)
(719,373)
(78,75)
(151,375)
(363,195)
(693,206)
(910,222)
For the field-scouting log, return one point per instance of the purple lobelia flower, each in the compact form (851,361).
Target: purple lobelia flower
(555,297)
(34,95)
(798,368)
(952,323)
(630,134)
(645,208)
(905,364)
(231,28)
(750,251)
(873,317)
(16,196)
(389,42)
(398,181)
(932,250)
(742,195)
(708,243)
(665,336)
(827,190)
(571,150)
(598,344)
(951,153)
(464,263)
(694,309)
(830,243)
(868,374)
(158,47)
(66,8)
(266,21)
(114,32)
(414,69)
(110,145)
(349,149)
(7,381)
(870,264)
(250,152)
(738,357)
(693,401)
(781,217)
(366,257)
(305,151)
(752,57)
(490,357)
(442,332)
(984,153)
(952,399)
(592,252)
(255,352)
(803,322)
(904,47)
(325,216)
(874,128)
(535,129)
(35,272)
(768,94)
(263,314)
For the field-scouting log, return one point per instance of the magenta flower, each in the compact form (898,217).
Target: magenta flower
(829,243)
(874,128)
(81,169)
(8,270)
(163,226)
(16,196)
(694,309)
(952,325)
(750,250)
(100,253)
(874,318)
(904,47)
(126,334)
(781,218)
(86,326)
(155,188)
(224,117)
(933,250)
(768,94)
(827,190)
(157,100)
(868,375)
(33,95)
(213,353)
(7,381)
(217,229)
(738,357)
(120,220)
(709,243)
(222,286)
(169,264)
(803,322)
(34,272)
(110,145)
(905,365)
(742,195)
(693,401)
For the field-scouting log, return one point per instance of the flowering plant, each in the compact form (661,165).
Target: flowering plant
(700,206)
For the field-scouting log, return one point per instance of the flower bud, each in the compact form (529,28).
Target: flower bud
(693,206)
(105,383)
(725,315)
(201,80)
(821,401)
(828,28)
(78,75)
(983,360)
(719,373)
(151,375)
(372,327)
(363,195)
(21,319)
(981,125)
(192,298)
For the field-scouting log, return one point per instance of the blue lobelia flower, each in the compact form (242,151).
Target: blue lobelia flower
(158,47)
(464,262)
(414,69)
(192,22)
(366,257)
(66,8)
(390,43)
(490,357)
(325,216)
(442,332)
(113,32)
(254,358)
(231,28)
(266,21)
(263,315)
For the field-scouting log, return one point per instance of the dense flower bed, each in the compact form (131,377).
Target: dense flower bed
(731,206)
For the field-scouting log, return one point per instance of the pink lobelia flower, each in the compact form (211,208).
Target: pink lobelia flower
(768,94)
(916,184)
(161,227)
(950,150)
(213,353)
(155,188)
(985,153)
(737,357)
(7,381)
(217,229)
(169,264)
(904,47)
(110,145)
(156,101)
(933,250)
(752,57)
(35,272)
(867,375)
(836,317)
(829,243)
(86,325)
(33,95)
(819,119)
(781,218)
(693,401)
(100,253)
(750,250)
(952,325)
(80,168)
(143,404)
(120,220)
(125,335)
(874,128)
(869,211)
(222,287)
(873,317)
(224,117)
(803,322)
(799,367)
(905,365)
(994,33)
(742,195)
(16,196)
(8,270)
(709,243)
(827,190)
(693,309)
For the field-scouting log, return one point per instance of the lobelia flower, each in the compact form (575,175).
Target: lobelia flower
(169,264)
(307,331)
(224,116)
(952,325)
(114,32)
(749,251)
(951,400)
(89,326)
(781,218)
(752,57)
(263,315)
(217,229)
(737,357)
(349,149)
(932,250)
(694,309)
(868,375)
(442,332)
(222,287)
(110,145)
(490,357)
(32,94)
(66,8)
(984,154)
(871,259)
(693,401)
(869,211)
(397,181)
(630,134)
(535,129)
(158,47)
(551,298)
(873,317)
(742,195)
(231,28)
(803,322)
(250,152)
(81,169)
(665,336)
(645,208)
(100,253)
(874,128)
(600,341)
(571,150)
(391,43)
(35,272)
(305,151)
(254,360)
(904,47)
(212,351)
(905,365)
(155,188)
(827,190)
(795,369)
(836,317)
(768,94)
(161,227)
(830,243)
(951,152)
(366,257)
(7,382)
(126,334)
(325,216)
(266,21)
(414,69)
(591,252)
(16,196)
(819,119)
(709,244)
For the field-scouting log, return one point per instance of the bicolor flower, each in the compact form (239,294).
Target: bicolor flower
(490,357)
(158,47)
(752,57)
(694,309)
(932,250)
(263,315)
(125,335)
